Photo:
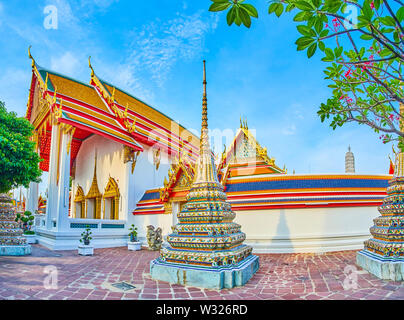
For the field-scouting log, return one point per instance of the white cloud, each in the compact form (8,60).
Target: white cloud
(289,130)
(66,64)
(157,46)
(11,82)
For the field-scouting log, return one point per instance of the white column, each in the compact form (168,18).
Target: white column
(62,212)
(175,210)
(32,197)
(51,205)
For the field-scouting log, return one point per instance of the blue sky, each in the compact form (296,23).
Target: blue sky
(154,49)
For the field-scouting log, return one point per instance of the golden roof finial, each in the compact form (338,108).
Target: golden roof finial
(204,100)
(30,56)
(90,66)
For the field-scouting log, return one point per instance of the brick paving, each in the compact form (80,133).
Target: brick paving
(281,276)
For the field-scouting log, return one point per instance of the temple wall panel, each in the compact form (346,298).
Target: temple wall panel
(109,164)
(307,230)
(145,175)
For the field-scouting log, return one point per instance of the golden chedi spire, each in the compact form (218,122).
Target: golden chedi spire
(205,165)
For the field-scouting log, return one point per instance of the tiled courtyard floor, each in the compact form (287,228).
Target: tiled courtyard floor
(281,276)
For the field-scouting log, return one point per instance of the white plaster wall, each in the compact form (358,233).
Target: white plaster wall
(144,177)
(109,163)
(307,230)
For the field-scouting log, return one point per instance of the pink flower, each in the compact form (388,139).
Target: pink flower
(372,5)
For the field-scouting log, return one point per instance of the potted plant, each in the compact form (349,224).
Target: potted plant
(85,249)
(26,220)
(133,244)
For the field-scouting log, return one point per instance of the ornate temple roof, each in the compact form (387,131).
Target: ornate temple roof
(99,108)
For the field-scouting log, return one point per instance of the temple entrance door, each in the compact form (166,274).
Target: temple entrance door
(110,211)
(78,210)
(91,208)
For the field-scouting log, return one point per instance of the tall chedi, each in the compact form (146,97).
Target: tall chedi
(349,161)
(206,247)
(383,254)
(12,242)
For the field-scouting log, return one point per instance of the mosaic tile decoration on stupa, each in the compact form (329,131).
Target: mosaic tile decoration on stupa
(10,231)
(387,243)
(206,236)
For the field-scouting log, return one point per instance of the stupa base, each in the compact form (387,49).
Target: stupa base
(386,269)
(22,250)
(203,277)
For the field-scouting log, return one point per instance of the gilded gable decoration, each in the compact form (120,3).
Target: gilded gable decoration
(130,155)
(156,157)
(180,178)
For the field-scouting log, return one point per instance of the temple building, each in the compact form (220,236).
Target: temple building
(113,161)
(102,148)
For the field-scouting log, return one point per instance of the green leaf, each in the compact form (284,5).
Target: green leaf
(219,6)
(245,17)
(312,49)
(237,19)
(367,10)
(302,16)
(317,3)
(231,15)
(318,25)
(388,21)
(321,45)
(306,31)
(366,37)
(279,10)
(250,9)
(304,5)
(303,42)
(338,51)
(272,7)
(400,14)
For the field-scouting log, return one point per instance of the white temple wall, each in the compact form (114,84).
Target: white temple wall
(144,177)
(109,164)
(307,230)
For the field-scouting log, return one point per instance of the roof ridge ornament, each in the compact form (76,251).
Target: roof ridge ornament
(90,66)
(30,56)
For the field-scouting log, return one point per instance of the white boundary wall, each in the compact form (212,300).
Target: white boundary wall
(307,230)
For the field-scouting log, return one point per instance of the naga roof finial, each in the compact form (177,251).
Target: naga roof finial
(90,66)
(30,56)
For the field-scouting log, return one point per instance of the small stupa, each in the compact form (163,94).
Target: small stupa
(12,242)
(383,254)
(206,247)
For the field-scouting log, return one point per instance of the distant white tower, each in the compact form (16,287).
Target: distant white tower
(349,161)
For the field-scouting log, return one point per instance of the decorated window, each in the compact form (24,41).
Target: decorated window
(111,200)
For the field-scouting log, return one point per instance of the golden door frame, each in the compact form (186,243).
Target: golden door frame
(79,197)
(112,191)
